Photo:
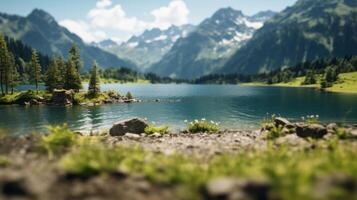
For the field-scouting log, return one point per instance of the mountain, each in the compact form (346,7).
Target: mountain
(105,44)
(148,47)
(41,31)
(308,30)
(208,47)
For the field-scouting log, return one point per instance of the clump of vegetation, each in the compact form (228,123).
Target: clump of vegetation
(203,126)
(59,139)
(268,121)
(157,129)
(4,161)
(129,96)
(93,159)
(311,119)
(275,132)
(343,133)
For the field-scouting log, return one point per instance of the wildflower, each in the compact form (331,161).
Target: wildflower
(185,120)
(212,122)
(196,121)
(203,119)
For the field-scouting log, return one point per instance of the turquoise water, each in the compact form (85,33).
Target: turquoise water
(233,105)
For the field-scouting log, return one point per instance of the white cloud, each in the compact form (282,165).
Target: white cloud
(82,29)
(103,3)
(107,18)
(176,13)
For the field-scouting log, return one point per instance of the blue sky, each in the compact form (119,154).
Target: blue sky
(95,20)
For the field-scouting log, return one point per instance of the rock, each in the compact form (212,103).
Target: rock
(292,140)
(13,185)
(34,102)
(332,126)
(62,97)
(157,135)
(312,130)
(279,121)
(267,127)
(136,126)
(132,136)
(236,189)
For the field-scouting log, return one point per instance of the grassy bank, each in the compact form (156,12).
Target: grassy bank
(307,168)
(347,83)
(110,81)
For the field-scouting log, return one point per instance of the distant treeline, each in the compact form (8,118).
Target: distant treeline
(286,74)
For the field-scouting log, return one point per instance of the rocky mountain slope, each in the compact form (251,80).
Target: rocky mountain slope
(40,30)
(308,30)
(149,47)
(208,47)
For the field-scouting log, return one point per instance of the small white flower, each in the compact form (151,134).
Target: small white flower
(317,116)
(212,122)
(196,121)
(203,119)
(185,120)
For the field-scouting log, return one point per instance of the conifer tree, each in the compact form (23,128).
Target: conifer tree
(72,77)
(310,78)
(75,57)
(53,79)
(94,82)
(14,77)
(3,62)
(36,69)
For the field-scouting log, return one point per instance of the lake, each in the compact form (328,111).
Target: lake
(235,106)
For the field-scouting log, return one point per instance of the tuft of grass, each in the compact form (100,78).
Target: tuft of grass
(202,126)
(59,139)
(275,132)
(157,129)
(4,161)
(311,119)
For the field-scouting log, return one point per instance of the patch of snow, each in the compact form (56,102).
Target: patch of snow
(161,37)
(251,24)
(133,44)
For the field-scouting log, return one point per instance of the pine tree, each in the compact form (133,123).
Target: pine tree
(72,77)
(94,82)
(53,78)
(331,74)
(36,69)
(3,62)
(75,57)
(310,78)
(14,77)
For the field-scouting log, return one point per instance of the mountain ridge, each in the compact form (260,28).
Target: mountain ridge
(207,48)
(41,31)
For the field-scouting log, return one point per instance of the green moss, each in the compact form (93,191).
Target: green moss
(157,129)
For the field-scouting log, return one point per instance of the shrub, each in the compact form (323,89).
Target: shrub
(202,126)
(275,132)
(157,129)
(268,121)
(129,96)
(58,140)
(311,119)
(4,161)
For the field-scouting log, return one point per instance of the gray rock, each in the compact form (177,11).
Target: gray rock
(132,136)
(236,189)
(136,126)
(62,97)
(312,130)
(279,121)
(157,135)
(332,126)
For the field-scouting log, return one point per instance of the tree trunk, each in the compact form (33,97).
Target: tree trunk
(1,84)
